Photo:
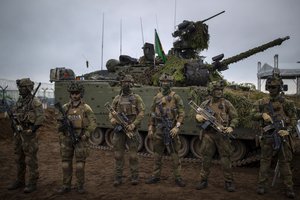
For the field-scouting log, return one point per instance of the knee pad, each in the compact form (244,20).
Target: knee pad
(80,165)
(66,164)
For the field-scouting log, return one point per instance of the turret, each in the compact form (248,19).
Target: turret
(201,74)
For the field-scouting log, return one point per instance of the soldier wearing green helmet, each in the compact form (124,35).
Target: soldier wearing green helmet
(83,120)
(29,114)
(167,114)
(280,114)
(225,114)
(132,106)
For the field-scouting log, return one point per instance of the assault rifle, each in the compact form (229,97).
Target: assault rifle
(166,126)
(66,123)
(14,123)
(210,119)
(123,122)
(275,126)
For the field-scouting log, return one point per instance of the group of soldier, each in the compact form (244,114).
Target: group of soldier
(166,114)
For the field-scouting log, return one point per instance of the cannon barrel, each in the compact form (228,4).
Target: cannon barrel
(212,16)
(253,51)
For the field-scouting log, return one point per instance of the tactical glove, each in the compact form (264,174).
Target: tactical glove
(19,128)
(174,131)
(113,121)
(283,133)
(28,131)
(130,127)
(200,118)
(129,134)
(267,118)
(83,137)
(228,130)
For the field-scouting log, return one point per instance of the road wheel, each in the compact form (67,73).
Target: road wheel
(195,146)
(149,145)
(184,148)
(109,134)
(140,139)
(97,137)
(239,150)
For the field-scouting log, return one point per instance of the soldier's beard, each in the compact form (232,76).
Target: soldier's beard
(24,92)
(274,92)
(166,89)
(126,90)
(217,94)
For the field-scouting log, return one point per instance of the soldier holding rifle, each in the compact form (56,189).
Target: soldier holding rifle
(167,113)
(27,116)
(277,117)
(218,128)
(76,122)
(126,114)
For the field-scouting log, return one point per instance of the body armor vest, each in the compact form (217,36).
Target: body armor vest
(127,105)
(76,116)
(25,113)
(166,105)
(279,113)
(220,111)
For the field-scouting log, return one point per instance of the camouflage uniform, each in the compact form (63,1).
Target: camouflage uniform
(168,105)
(225,114)
(29,113)
(133,107)
(275,107)
(84,122)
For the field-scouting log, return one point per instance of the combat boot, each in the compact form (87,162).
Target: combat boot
(152,180)
(63,190)
(117,181)
(81,190)
(17,184)
(290,193)
(179,182)
(202,185)
(30,188)
(134,180)
(260,190)
(229,186)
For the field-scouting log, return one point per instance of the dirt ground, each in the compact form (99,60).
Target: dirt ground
(99,176)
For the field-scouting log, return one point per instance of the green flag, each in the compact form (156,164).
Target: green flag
(158,48)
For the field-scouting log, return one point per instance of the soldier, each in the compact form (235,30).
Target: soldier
(29,114)
(225,114)
(167,113)
(133,107)
(83,121)
(279,112)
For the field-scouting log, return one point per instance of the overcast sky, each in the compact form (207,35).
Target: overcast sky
(37,35)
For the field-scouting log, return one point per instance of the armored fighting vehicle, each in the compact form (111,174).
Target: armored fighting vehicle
(191,76)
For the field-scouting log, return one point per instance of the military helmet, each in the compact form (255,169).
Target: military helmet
(216,85)
(127,78)
(274,81)
(166,77)
(25,82)
(76,87)
(111,65)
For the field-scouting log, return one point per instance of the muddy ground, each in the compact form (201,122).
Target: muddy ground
(99,175)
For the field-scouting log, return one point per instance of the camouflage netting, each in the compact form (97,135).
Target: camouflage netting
(243,104)
(199,39)
(174,67)
(253,51)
